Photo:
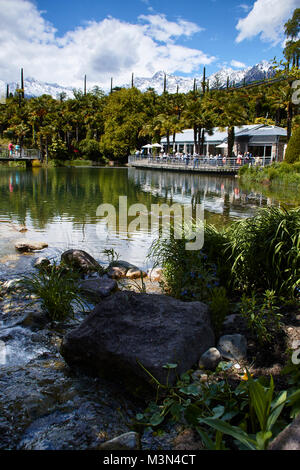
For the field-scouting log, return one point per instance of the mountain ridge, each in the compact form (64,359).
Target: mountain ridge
(263,69)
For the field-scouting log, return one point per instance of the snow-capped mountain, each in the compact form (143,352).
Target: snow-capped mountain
(35,88)
(264,69)
(217,80)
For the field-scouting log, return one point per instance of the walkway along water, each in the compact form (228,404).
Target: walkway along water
(200,164)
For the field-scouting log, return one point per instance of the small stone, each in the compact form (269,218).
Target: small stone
(210,359)
(133,273)
(29,245)
(155,274)
(204,378)
(42,262)
(81,261)
(127,441)
(10,285)
(233,347)
(295,344)
(197,374)
(116,272)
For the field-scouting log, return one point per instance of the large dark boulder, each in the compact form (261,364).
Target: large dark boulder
(80,260)
(151,329)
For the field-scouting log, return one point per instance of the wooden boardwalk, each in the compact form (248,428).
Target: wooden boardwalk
(183,167)
(24,155)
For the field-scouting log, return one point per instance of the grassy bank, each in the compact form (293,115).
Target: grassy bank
(284,174)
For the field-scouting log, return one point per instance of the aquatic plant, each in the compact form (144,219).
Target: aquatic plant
(255,254)
(265,251)
(56,288)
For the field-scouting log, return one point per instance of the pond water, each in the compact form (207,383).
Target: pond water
(44,404)
(59,206)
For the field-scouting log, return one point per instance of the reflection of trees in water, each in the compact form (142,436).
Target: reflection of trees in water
(75,193)
(195,187)
(45,195)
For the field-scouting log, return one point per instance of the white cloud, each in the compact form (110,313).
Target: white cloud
(99,49)
(161,29)
(266,19)
(245,7)
(236,63)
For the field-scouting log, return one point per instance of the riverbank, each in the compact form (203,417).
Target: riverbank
(62,408)
(280,174)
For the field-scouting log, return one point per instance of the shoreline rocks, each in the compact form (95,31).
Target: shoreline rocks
(26,246)
(80,260)
(120,269)
(97,289)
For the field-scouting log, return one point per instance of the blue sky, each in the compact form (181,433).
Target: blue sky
(61,40)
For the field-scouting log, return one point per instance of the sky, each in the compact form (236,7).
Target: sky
(59,41)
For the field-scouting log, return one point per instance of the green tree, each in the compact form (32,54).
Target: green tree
(292,154)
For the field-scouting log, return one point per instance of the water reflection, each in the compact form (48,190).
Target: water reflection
(220,195)
(59,205)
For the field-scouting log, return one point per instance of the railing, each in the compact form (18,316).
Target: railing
(201,162)
(24,154)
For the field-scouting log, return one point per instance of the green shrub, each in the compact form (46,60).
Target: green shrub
(257,253)
(262,316)
(89,149)
(189,275)
(265,251)
(292,153)
(58,149)
(56,288)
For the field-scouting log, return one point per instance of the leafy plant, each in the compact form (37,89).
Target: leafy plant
(262,316)
(266,409)
(57,290)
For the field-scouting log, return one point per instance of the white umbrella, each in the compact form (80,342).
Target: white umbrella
(222,146)
(148,146)
(157,145)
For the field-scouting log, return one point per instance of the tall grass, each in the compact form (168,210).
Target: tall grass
(56,289)
(264,251)
(258,253)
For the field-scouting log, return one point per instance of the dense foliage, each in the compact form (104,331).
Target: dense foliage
(254,253)
(293,149)
(99,127)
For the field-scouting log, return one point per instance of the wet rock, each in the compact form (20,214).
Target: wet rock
(233,347)
(97,289)
(35,319)
(130,329)
(127,441)
(42,262)
(115,272)
(120,269)
(11,285)
(155,274)
(210,359)
(135,273)
(80,260)
(29,245)
(289,438)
